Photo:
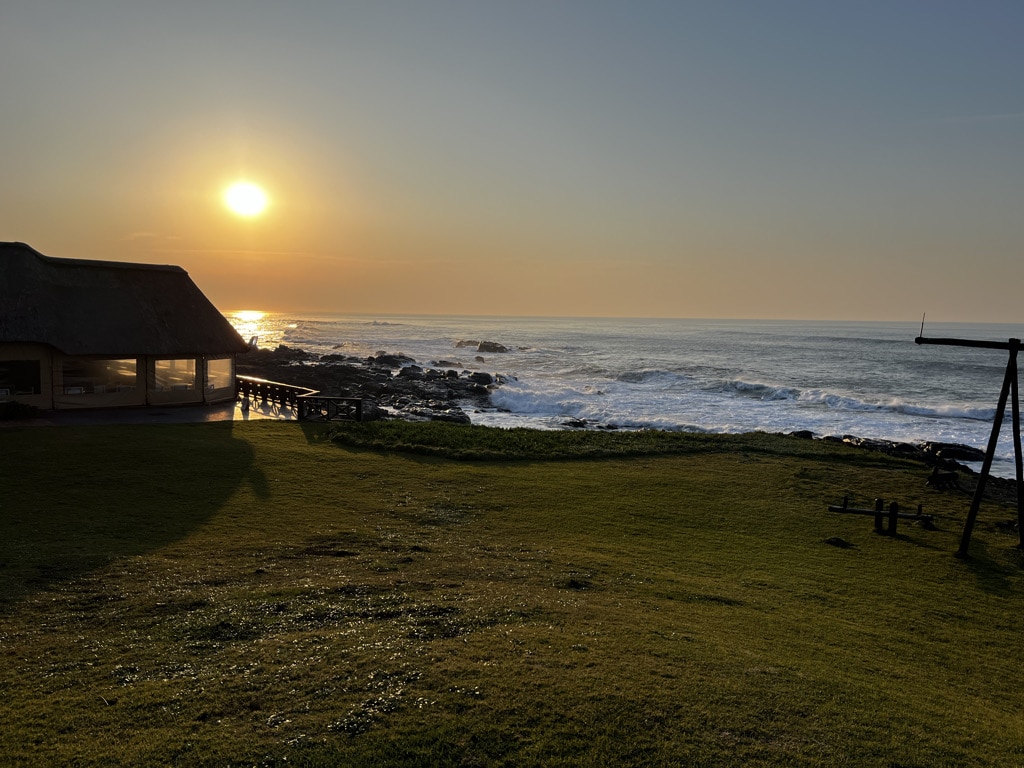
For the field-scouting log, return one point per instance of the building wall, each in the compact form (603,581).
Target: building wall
(38,375)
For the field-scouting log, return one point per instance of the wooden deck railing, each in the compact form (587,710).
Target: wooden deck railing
(317,407)
(309,404)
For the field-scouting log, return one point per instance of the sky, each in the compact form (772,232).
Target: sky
(718,159)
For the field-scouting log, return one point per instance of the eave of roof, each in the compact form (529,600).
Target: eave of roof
(86,307)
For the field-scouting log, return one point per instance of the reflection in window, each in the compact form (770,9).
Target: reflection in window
(95,376)
(175,375)
(19,377)
(220,374)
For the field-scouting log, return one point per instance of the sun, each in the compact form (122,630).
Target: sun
(246,199)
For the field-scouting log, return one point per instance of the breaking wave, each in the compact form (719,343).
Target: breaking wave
(836,401)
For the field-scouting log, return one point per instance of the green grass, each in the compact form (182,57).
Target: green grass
(490,444)
(271,594)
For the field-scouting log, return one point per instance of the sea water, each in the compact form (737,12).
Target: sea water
(865,379)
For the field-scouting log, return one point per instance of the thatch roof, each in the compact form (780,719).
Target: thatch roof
(84,307)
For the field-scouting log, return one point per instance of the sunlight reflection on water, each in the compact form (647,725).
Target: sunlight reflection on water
(267,328)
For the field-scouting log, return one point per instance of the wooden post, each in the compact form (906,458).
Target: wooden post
(894,515)
(990,453)
(1017,454)
(878,515)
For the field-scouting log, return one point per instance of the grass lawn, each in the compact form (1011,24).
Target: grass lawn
(403,594)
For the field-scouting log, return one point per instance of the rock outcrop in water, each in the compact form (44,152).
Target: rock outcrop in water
(491,347)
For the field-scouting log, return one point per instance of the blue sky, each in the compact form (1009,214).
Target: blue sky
(715,159)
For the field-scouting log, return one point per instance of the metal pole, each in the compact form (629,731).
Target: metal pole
(993,441)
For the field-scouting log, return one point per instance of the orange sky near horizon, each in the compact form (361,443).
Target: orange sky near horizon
(660,160)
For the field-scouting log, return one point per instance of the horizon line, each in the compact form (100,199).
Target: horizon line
(335,313)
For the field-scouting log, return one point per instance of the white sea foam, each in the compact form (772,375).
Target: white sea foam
(866,379)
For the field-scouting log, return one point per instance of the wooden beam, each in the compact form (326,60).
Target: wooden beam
(977,343)
(990,453)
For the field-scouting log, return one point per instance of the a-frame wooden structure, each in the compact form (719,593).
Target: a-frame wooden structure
(1009,391)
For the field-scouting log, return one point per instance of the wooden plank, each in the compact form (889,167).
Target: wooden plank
(902,515)
(977,343)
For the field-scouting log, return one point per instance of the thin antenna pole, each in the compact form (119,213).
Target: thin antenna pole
(921,334)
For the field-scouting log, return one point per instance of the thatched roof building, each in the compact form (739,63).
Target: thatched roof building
(80,333)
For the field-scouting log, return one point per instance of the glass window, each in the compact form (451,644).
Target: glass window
(220,374)
(82,376)
(20,377)
(174,375)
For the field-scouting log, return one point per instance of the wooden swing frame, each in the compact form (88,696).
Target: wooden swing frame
(1009,391)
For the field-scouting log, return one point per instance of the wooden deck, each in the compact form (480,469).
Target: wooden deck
(309,404)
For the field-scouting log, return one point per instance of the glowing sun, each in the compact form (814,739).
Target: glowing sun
(245,198)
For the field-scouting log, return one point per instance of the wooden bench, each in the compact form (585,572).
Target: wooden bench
(882,515)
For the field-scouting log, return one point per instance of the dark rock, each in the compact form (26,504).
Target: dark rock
(424,412)
(836,541)
(905,449)
(943,481)
(574,583)
(347,359)
(865,442)
(954,451)
(480,377)
(390,360)
(492,347)
(281,354)
(372,410)
(467,343)
(803,434)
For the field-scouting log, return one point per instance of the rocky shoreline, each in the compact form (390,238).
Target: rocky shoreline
(390,385)
(949,472)
(396,386)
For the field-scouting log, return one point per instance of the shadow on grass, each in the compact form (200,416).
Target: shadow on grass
(917,541)
(992,576)
(76,498)
(316,432)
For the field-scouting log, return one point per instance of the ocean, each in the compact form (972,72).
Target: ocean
(867,379)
